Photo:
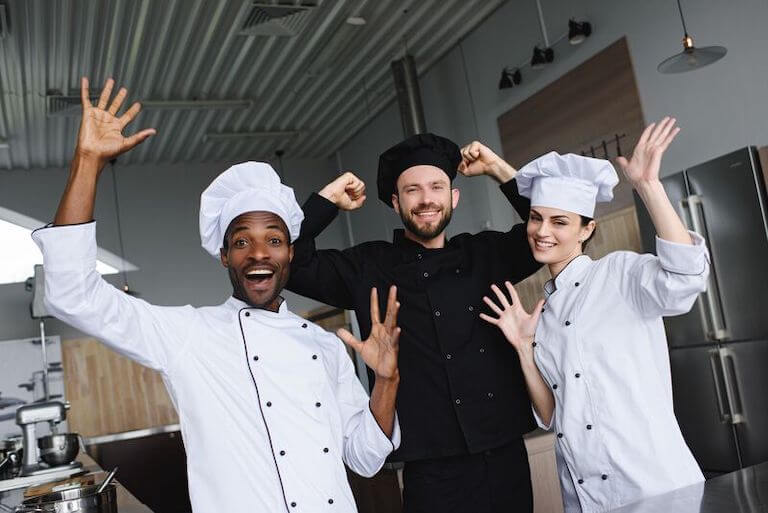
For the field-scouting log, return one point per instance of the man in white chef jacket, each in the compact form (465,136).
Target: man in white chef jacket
(269,403)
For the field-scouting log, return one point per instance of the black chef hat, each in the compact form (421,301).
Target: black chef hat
(417,150)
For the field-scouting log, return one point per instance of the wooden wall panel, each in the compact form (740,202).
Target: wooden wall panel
(587,105)
(110,393)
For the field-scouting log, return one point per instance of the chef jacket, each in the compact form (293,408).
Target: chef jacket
(461,387)
(269,404)
(600,345)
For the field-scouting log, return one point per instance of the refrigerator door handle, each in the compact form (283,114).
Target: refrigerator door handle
(712,318)
(731,385)
(717,368)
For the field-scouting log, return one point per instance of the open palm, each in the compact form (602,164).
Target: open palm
(379,350)
(645,163)
(101,130)
(518,326)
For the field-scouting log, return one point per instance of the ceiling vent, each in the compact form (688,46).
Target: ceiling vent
(3,21)
(57,105)
(280,20)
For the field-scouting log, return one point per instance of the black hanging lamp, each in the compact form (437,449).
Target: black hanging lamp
(690,58)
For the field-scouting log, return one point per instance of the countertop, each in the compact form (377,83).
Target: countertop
(126,503)
(743,491)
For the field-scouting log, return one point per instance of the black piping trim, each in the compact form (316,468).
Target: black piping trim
(382,429)
(266,426)
(51,225)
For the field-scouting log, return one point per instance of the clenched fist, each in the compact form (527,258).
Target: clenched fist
(478,159)
(346,192)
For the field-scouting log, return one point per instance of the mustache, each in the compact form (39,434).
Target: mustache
(252,262)
(424,207)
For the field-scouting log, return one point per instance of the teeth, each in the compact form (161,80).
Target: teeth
(260,272)
(543,244)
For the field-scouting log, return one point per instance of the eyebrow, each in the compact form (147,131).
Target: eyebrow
(434,182)
(237,229)
(559,216)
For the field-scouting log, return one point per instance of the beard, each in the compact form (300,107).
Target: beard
(429,231)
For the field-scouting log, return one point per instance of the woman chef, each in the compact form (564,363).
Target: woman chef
(595,354)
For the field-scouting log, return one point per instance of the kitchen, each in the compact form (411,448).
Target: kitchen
(327,100)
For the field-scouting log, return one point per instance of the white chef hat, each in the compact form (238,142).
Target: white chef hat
(245,187)
(568,182)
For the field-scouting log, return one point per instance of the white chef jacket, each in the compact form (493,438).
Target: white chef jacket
(269,403)
(600,345)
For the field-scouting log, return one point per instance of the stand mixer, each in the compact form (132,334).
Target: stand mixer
(50,457)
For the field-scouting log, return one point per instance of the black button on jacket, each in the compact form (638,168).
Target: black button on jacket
(476,399)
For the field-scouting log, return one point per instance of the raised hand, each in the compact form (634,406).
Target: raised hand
(517,325)
(346,192)
(379,350)
(478,159)
(645,163)
(101,131)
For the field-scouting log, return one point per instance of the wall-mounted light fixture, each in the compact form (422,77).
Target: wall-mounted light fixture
(578,32)
(541,57)
(543,54)
(510,78)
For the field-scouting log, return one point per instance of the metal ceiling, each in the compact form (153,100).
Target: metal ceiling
(309,91)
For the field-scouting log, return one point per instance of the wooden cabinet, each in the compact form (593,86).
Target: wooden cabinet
(546,486)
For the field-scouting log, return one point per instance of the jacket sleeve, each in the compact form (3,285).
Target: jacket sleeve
(366,447)
(666,284)
(513,244)
(77,294)
(326,275)
(521,204)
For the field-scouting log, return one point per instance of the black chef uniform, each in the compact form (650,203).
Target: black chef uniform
(462,404)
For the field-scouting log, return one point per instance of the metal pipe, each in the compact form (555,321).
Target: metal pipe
(541,22)
(408,96)
(46,391)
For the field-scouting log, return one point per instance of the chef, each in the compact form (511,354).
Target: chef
(269,404)
(595,359)
(463,406)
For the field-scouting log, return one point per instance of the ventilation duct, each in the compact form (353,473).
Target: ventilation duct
(3,21)
(408,96)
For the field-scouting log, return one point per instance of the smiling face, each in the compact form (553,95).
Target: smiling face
(258,253)
(556,236)
(425,201)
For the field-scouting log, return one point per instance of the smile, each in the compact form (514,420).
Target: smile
(544,245)
(259,277)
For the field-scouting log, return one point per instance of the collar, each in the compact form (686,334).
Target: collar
(236,304)
(399,239)
(569,276)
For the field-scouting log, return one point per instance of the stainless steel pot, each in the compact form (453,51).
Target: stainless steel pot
(75,500)
(59,449)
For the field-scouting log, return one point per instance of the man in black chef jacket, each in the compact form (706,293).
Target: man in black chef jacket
(462,404)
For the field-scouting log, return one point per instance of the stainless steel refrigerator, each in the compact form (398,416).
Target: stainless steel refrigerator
(719,351)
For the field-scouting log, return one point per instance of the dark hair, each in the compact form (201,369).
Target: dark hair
(584,222)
